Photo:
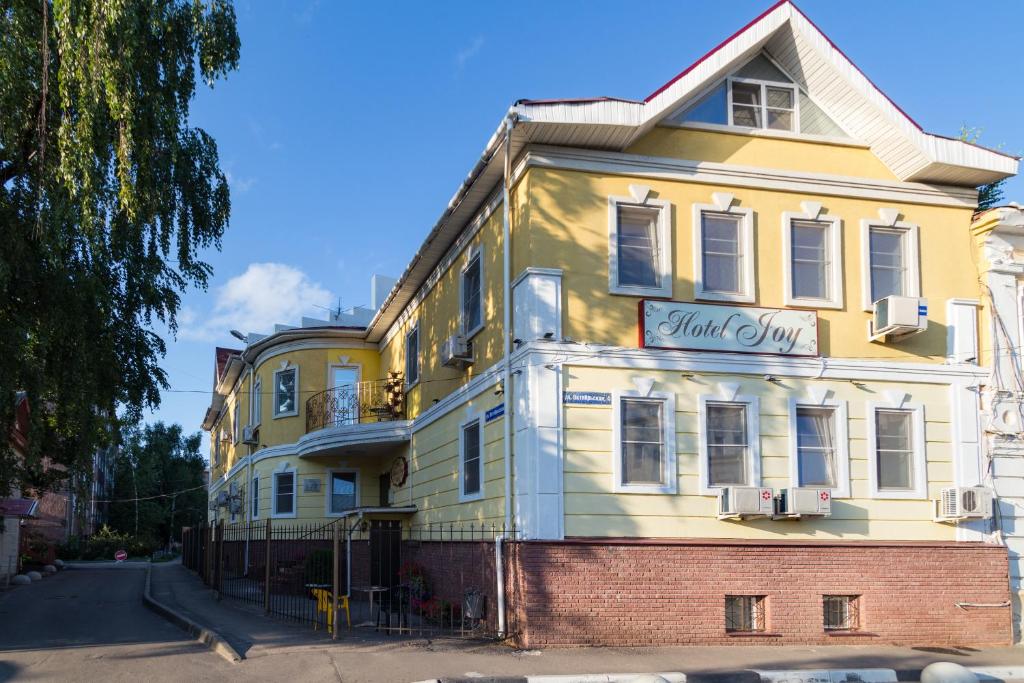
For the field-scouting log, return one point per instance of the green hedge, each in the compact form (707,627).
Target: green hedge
(103,545)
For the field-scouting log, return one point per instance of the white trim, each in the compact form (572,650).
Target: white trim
(842,442)
(670,471)
(478,495)
(745,242)
(753,419)
(911,255)
(474,254)
(256,400)
(812,138)
(254,496)
(291,413)
(338,344)
(920,469)
(295,492)
(329,489)
(664,247)
(236,422)
(413,329)
(834,242)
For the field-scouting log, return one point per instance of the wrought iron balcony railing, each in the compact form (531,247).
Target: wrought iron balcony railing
(377,401)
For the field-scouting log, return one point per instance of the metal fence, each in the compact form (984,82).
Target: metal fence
(376,401)
(384,575)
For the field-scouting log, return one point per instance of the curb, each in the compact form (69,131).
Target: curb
(212,639)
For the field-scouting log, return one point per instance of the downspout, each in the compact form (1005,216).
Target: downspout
(248,471)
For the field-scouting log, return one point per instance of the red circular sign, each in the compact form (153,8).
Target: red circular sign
(824,495)
(120,556)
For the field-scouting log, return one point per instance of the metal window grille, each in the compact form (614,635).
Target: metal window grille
(744,613)
(842,612)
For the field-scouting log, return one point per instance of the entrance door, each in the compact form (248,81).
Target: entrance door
(344,383)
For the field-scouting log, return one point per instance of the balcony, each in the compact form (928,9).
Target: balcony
(361,419)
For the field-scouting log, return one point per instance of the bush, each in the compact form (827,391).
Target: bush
(319,567)
(103,545)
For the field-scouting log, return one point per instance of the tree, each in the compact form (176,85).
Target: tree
(158,483)
(991,194)
(107,198)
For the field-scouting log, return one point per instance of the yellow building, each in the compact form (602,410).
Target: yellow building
(738,313)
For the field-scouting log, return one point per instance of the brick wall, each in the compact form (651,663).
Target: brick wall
(614,592)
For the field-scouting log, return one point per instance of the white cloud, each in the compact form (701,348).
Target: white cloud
(238,183)
(266,293)
(468,52)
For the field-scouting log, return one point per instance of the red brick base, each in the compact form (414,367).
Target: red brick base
(638,592)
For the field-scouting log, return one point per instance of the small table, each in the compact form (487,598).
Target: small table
(371,591)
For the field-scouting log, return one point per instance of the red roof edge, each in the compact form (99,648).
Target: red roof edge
(715,49)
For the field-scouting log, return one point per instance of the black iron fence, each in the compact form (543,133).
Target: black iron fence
(378,401)
(379,574)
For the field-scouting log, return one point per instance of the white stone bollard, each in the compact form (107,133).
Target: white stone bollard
(21,580)
(35,576)
(49,569)
(947,672)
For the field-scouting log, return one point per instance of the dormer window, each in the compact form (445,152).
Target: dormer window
(759,104)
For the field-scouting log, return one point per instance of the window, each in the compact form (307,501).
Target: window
(286,382)
(412,356)
(255,496)
(471,460)
(235,420)
(284,494)
(890,261)
(644,442)
(216,447)
(344,494)
(723,253)
(744,613)
(639,247)
(257,402)
(841,612)
(758,104)
(472,295)
(897,451)
(816,447)
(813,266)
(730,454)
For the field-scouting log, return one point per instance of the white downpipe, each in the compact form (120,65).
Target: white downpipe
(499,570)
(248,483)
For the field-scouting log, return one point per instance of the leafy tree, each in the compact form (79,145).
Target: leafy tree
(107,197)
(991,194)
(158,483)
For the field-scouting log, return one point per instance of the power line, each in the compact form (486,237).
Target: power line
(159,495)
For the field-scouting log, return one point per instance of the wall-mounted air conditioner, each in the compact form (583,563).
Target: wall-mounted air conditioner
(222,499)
(456,352)
(737,502)
(964,502)
(250,435)
(895,317)
(801,501)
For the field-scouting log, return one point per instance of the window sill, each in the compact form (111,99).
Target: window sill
(463,498)
(813,303)
(645,490)
(644,292)
(850,634)
(752,634)
(725,298)
(294,413)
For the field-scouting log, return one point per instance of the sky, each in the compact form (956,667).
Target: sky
(349,126)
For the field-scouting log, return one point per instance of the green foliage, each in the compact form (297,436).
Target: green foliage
(107,198)
(319,567)
(103,545)
(163,468)
(989,195)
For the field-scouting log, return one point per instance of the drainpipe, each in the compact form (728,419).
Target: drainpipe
(499,571)
(248,481)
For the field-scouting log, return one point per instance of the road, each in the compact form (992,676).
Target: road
(91,625)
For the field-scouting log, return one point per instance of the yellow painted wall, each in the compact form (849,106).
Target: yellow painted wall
(593,509)
(568,229)
(765,152)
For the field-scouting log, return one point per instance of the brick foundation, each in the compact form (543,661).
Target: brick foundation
(637,592)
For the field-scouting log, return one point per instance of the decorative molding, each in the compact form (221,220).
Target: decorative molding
(811,209)
(818,394)
(723,200)
(889,216)
(895,398)
(728,390)
(639,192)
(643,385)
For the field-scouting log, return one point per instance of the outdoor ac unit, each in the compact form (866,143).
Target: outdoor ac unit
(803,500)
(235,505)
(222,499)
(745,501)
(899,316)
(964,502)
(249,435)
(233,489)
(456,352)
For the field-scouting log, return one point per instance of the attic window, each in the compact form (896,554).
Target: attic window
(757,104)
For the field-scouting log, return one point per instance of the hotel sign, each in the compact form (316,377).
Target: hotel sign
(742,329)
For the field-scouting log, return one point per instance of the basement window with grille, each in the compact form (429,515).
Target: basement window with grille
(841,612)
(744,613)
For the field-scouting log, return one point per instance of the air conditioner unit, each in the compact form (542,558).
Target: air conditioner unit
(250,435)
(745,501)
(233,489)
(803,500)
(898,317)
(235,505)
(456,352)
(964,502)
(222,499)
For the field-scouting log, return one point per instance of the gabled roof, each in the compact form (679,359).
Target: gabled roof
(607,123)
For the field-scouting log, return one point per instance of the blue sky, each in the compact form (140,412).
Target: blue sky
(349,126)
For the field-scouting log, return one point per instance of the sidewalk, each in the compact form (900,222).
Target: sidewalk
(271,648)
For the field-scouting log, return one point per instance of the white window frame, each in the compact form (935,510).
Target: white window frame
(664,246)
(911,252)
(753,439)
(764,103)
(463,496)
(670,471)
(329,488)
(291,413)
(842,436)
(415,329)
(472,254)
(295,493)
(834,243)
(254,496)
(920,466)
(256,401)
(746,242)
